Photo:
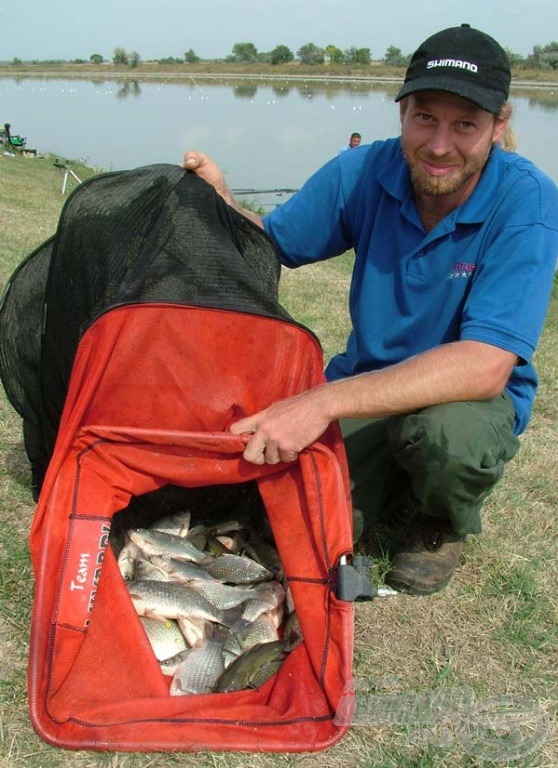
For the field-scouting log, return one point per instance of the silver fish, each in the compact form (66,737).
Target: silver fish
(157,543)
(169,666)
(177,524)
(224,596)
(127,559)
(200,670)
(183,572)
(269,597)
(262,630)
(237,569)
(195,630)
(167,600)
(165,637)
(146,570)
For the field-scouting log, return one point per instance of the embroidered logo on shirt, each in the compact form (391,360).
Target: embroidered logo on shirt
(461,269)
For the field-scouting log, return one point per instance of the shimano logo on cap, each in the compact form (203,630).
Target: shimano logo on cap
(452,63)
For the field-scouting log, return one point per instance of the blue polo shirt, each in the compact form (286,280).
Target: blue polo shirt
(484,273)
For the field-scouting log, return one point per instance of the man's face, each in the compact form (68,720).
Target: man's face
(446,141)
(354,141)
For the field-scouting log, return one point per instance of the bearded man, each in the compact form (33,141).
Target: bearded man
(455,242)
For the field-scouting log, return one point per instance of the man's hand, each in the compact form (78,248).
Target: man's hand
(208,170)
(282,431)
(457,371)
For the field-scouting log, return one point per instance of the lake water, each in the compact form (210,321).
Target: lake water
(266,135)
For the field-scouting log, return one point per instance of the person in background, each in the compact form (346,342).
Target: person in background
(455,244)
(354,141)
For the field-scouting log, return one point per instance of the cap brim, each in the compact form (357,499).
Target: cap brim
(482,97)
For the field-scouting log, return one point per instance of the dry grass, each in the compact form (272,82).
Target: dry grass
(493,631)
(152,69)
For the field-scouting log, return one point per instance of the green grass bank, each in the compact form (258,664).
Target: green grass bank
(491,635)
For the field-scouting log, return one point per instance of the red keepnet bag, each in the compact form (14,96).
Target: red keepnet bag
(152,393)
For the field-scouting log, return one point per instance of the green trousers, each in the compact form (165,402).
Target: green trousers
(447,457)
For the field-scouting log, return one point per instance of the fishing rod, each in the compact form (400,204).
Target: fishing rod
(263,191)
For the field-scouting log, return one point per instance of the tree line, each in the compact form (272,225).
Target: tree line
(541,57)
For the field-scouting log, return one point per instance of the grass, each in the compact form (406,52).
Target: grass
(491,634)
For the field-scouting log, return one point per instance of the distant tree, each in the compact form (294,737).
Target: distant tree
(244,52)
(357,56)
(16,62)
(516,59)
(311,54)
(281,55)
(134,59)
(544,57)
(334,54)
(190,57)
(96,58)
(120,56)
(394,57)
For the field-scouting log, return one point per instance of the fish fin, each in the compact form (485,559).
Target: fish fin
(234,620)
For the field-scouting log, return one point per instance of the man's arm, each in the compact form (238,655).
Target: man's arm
(460,371)
(208,170)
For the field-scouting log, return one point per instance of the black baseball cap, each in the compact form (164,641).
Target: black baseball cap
(464,61)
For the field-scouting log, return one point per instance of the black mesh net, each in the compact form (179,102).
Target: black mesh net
(155,234)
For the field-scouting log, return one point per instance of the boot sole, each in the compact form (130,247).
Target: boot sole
(415,590)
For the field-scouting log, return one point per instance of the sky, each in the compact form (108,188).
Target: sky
(69,29)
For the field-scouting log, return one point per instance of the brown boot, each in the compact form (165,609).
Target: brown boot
(425,561)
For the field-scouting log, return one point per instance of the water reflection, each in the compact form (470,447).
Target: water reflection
(546,99)
(245,91)
(128,88)
(295,125)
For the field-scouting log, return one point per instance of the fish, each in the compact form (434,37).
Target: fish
(165,637)
(265,554)
(225,527)
(269,597)
(224,596)
(237,569)
(146,570)
(180,571)
(157,543)
(198,536)
(127,559)
(200,670)
(167,600)
(246,671)
(169,666)
(265,672)
(262,630)
(216,547)
(196,630)
(233,542)
(177,524)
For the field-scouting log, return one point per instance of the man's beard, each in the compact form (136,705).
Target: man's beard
(438,186)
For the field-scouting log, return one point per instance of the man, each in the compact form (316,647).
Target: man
(355,140)
(455,245)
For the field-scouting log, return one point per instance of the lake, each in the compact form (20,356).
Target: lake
(266,135)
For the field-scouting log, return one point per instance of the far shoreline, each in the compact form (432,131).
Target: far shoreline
(214,71)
